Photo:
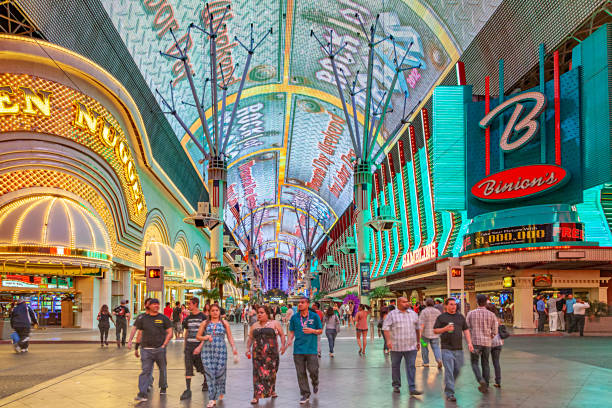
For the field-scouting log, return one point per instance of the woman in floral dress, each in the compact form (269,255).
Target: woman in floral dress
(214,353)
(262,345)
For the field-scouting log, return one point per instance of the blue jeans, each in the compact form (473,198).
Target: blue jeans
(331,338)
(148,357)
(396,362)
(435,345)
(481,353)
(453,361)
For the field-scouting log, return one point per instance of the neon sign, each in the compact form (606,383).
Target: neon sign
(34,104)
(523,181)
(420,255)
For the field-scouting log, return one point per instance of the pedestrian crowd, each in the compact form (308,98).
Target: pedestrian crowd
(406,329)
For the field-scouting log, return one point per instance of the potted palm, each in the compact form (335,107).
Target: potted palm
(221,275)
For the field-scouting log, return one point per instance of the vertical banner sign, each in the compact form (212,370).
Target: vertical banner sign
(155,278)
(364,270)
(455,278)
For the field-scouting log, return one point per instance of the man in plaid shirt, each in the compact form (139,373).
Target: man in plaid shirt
(403,336)
(427,318)
(483,327)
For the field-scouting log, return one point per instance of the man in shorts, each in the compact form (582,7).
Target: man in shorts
(193,347)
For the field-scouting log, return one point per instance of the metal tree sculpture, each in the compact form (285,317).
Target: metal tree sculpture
(216,143)
(364,138)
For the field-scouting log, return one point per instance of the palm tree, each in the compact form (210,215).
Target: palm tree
(221,275)
(212,294)
(245,286)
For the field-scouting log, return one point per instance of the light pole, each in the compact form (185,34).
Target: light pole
(364,138)
(215,147)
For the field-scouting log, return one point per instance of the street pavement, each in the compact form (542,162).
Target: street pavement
(536,372)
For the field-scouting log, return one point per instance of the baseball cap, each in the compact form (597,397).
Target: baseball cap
(154,300)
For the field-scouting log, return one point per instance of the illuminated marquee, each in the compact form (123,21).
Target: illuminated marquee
(29,103)
(420,255)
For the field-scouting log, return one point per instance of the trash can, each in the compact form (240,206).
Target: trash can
(5,329)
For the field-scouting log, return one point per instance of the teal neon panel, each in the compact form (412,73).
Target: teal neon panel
(414,207)
(592,215)
(449,115)
(403,215)
(426,193)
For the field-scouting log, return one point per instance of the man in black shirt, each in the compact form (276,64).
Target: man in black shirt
(122,317)
(450,325)
(193,347)
(154,333)
(176,320)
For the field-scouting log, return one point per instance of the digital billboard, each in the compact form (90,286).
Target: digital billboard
(289,135)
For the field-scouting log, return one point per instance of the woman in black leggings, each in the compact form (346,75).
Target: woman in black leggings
(104,325)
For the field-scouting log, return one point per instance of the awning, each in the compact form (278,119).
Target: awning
(53,231)
(176,267)
(192,272)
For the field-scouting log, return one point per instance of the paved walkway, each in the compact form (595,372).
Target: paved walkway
(535,374)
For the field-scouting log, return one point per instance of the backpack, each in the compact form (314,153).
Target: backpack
(503,331)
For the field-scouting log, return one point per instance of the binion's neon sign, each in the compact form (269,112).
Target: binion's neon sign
(523,181)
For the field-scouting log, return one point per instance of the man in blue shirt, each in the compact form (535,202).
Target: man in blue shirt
(569,312)
(305,327)
(541,309)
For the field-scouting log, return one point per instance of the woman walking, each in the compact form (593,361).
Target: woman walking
(331,324)
(384,311)
(262,345)
(361,328)
(214,353)
(103,324)
(496,348)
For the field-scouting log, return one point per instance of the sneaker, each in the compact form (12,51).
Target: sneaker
(140,398)
(304,400)
(24,350)
(451,398)
(162,391)
(17,348)
(483,387)
(396,389)
(416,392)
(186,395)
(315,389)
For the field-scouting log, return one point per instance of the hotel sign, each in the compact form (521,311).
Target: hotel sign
(420,255)
(29,103)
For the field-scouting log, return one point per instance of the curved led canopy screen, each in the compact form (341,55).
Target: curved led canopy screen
(290,145)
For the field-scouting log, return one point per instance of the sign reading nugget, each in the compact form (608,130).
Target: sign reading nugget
(30,103)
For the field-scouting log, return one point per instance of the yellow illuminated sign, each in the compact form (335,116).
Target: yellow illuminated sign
(29,103)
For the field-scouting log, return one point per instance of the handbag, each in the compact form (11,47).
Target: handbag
(15,337)
(503,332)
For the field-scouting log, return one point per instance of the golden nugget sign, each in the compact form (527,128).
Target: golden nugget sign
(34,104)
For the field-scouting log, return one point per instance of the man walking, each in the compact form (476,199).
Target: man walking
(22,319)
(176,320)
(427,319)
(403,336)
(483,327)
(561,312)
(541,309)
(305,327)
(122,317)
(551,305)
(580,308)
(450,326)
(193,347)
(154,333)
(569,312)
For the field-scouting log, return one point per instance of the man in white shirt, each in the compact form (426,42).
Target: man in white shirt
(551,305)
(580,308)
(403,336)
